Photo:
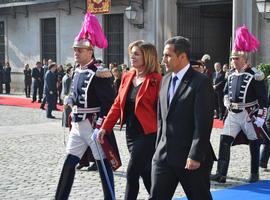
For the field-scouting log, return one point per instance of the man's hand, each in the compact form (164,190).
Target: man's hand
(259,122)
(100,136)
(192,164)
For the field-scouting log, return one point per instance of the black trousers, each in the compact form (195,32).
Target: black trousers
(265,154)
(219,106)
(27,88)
(141,151)
(7,88)
(165,178)
(37,86)
(51,100)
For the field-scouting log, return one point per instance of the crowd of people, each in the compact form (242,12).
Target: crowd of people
(168,118)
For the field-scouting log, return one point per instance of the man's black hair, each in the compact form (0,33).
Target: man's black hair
(181,45)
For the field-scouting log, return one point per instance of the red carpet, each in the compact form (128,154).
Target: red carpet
(218,123)
(21,102)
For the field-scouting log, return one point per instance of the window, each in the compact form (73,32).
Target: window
(2,42)
(114,31)
(190,25)
(48,39)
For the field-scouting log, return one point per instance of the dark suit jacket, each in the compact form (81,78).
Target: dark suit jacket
(38,75)
(219,80)
(185,125)
(50,83)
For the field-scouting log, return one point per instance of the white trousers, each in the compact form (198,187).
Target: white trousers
(235,122)
(80,138)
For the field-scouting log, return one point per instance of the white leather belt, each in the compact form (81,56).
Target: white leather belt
(78,110)
(238,106)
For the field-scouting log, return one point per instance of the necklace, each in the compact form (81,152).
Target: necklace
(137,80)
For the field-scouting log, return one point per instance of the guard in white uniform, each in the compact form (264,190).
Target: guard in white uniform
(246,101)
(90,99)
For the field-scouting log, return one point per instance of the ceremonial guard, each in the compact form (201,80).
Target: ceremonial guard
(91,98)
(246,101)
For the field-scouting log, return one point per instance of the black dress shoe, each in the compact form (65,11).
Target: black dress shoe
(218,178)
(51,117)
(263,165)
(93,167)
(42,108)
(39,101)
(33,101)
(80,166)
(253,178)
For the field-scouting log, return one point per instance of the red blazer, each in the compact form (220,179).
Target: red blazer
(145,103)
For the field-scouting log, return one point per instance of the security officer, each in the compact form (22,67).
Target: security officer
(218,85)
(38,82)
(91,98)
(1,77)
(50,88)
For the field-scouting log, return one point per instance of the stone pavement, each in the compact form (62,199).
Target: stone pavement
(32,152)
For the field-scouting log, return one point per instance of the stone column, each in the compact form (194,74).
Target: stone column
(159,25)
(165,22)
(245,12)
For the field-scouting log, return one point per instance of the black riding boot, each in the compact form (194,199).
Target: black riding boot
(105,187)
(265,154)
(66,178)
(223,159)
(254,147)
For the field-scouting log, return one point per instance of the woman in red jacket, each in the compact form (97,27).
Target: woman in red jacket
(136,106)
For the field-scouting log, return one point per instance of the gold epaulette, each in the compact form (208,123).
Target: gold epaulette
(103,72)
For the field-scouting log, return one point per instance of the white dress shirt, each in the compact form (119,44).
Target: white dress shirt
(179,75)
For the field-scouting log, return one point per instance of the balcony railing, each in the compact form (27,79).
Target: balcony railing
(11,3)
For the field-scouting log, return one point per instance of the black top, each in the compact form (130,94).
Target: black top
(133,126)
(27,75)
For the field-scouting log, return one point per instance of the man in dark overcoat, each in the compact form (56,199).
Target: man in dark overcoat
(185,116)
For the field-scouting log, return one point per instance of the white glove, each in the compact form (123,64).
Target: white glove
(259,122)
(95,134)
(226,101)
(259,75)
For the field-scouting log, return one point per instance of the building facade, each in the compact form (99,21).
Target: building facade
(31,30)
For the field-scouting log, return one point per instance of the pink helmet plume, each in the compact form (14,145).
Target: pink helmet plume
(245,41)
(92,31)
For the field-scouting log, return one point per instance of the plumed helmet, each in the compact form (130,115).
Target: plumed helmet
(91,34)
(244,42)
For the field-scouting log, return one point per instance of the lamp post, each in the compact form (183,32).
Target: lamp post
(264,8)
(130,13)
(135,16)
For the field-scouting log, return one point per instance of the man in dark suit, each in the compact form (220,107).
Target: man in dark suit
(50,88)
(218,85)
(185,116)
(1,78)
(37,75)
